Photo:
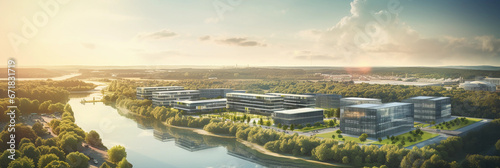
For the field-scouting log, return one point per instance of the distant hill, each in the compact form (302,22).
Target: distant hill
(482,67)
(32,73)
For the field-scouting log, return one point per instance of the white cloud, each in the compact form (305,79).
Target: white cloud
(157,35)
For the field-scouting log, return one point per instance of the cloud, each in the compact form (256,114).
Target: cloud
(240,41)
(204,38)
(157,35)
(89,45)
(374,33)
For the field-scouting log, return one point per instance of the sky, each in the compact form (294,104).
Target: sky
(250,32)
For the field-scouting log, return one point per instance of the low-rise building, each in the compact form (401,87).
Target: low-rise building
(430,108)
(298,116)
(294,101)
(217,92)
(147,92)
(328,101)
(193,106)
(478,86)
(377,120)
(168,98)
(254,103)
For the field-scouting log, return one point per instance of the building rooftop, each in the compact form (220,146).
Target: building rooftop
(377,106)
(358,98)
(299,110)
(153,87)
(428,98)
(251,94)
(175,91)
(286,94)
(201,101)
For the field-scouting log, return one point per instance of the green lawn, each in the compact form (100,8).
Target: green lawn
(458,126)
(347,138)
(309,128)
(424,137)
(416,124)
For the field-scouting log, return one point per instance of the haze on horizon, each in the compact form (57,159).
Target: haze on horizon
(255,33)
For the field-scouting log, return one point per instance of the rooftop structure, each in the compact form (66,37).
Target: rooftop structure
(192,106)
(478,86)
(147,92)
(254,103)
(168,98)
(298,116)
(293,101)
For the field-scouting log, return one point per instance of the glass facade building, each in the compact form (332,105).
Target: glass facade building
(377,120)
(298,116)
(254,103)
(168,98)
(328,101)
(217,93)
(429,108)
(348,101)
(294,101)
(192,106)
(147,92)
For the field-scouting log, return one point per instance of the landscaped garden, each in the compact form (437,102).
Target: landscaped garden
(407,139)
(456,123)
(338,136)
(421,125)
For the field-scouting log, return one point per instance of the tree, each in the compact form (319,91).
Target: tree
(77,160)
(93,139)
(105,165)
(497,145)
(117,153)
(279,125)
(333,136)
(317,124)
(261,122)
(308,125)
(30,151)
(57,164)
(124,164)
(340,136)
(285,127)
(23,162)
(363,137)
(292,127)
(46,159)
(331,123)
(379,139)
(268,123)
(38,128)
(69,143)
(345,160)
(4,158)
(339,131)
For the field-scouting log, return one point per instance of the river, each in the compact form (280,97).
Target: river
(151,144)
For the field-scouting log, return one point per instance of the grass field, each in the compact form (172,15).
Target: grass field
(310,128)
(347,138)
(458,126)
(416,124)
(424,137)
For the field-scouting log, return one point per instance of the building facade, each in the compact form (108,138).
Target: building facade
(298,116)
(254,103)
(294,101)
(429,108)
(348,101)
(217,93)
(168,98)
(193,106)
(147,92)
(328,101)
(377,120)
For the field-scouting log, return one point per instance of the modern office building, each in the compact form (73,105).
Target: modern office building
(298,116)
(495,81)
(193,106)
(478,86)
(328,101)
(168,98)
(430,108)
(147,92)
(294,101)
(377,120)
(348,101)
(217,93)
(254,103)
